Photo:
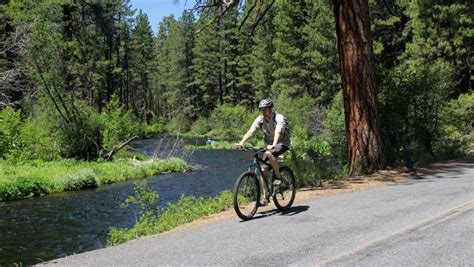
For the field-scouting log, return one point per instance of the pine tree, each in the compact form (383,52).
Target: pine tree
(229,51)
(207,68)
(357,71)
(141,64)
(290,74)
(388,20)
(188,27)
(443,30)
(163,74)
(255,63)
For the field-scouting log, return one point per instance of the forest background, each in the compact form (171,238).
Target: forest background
(79,77)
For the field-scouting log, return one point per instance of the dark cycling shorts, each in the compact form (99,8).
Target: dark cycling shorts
(277,151)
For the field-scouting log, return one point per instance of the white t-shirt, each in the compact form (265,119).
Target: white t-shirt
(277,122)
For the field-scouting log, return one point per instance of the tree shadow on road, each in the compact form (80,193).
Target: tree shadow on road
(442,170)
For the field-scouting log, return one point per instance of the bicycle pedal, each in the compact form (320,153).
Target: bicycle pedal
(263,203)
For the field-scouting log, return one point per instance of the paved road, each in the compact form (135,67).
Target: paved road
(426,221)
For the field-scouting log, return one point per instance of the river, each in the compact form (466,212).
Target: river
(40,229)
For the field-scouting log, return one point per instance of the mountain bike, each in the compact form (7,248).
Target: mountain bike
(248,189)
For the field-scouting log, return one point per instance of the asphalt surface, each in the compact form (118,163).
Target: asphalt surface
(428,221)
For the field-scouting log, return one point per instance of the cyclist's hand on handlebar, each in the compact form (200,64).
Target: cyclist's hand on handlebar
(239,146)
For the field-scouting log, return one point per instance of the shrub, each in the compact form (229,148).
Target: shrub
(312,161)
(179,124)
(411,99)
(457,127)
(157,125)
(37,142)
(119,124)
(77,135)
(299,111)
(200,126)
(335,128)
(23,187)
(229,122)
(10,124)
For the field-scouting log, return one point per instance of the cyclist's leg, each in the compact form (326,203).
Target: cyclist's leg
(272,156)
(263,181)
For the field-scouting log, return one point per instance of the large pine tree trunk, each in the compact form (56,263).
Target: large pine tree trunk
(357,71)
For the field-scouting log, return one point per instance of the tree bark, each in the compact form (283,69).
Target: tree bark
(357,72)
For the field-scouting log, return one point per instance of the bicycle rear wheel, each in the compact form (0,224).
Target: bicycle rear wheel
(246,195)
(285,193)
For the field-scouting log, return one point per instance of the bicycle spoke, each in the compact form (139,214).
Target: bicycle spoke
(285,193)
(246,196)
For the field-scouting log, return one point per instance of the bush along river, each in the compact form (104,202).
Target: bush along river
(40,229)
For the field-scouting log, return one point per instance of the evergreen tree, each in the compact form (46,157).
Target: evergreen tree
(290,74)
(207,68)
(229,52)
(256,64)
(443,30)
(163,72)
(357,71)
(188,26)
(141,62)
(320,53)
(388,20)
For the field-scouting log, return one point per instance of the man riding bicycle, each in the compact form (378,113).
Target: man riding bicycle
(277,136)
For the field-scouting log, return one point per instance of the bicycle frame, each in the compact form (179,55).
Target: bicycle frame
(257,165)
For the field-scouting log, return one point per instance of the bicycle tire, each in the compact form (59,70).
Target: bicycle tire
(246,195)
(285,191)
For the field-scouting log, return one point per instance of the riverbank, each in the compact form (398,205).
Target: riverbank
(37,178)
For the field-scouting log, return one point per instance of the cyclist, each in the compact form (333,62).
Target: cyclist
(276,136)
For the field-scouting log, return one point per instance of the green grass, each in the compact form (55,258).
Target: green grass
(37,178)
(187,209)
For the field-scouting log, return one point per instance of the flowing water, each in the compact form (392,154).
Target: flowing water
(49,227)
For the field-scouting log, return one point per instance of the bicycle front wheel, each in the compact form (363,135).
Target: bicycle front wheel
(246,195)
(285,193)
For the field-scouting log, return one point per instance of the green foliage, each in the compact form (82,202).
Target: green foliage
(23,187)
(81,137)
(200,126)
(157,125)
(179,124)
(145,199)
(289,48)
(142,55)
(37,142)
(313,161)
(442,30)
(85,178)
(229,122)
(119,125)
(321,56)
(456,127)
(10,123)
(299,111)
(335,127)
(411,100)
(187,209)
